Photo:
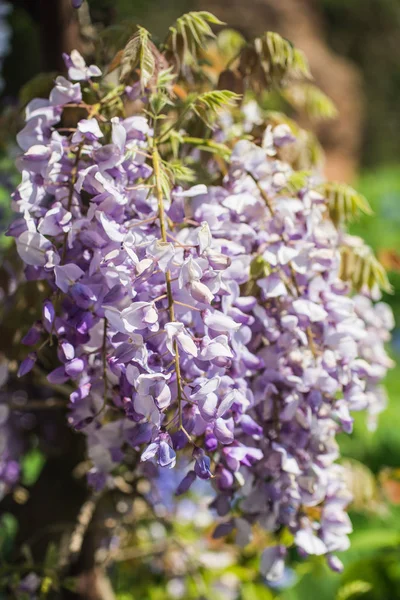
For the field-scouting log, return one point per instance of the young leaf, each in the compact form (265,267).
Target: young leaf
(353,589)
(230,42)
(280,60)
(345,203)
(297,181)
(190,33)
(310,99)
(207,105)
(138,53)
(180,172)
(166,179)
(360,266)
(206,145)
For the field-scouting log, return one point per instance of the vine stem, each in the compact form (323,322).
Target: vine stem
(104,356)
(74,174)
(208,145)
(104,362)
(171,311)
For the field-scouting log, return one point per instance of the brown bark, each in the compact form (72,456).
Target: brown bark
(301,22)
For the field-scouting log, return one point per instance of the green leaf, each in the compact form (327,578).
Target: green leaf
(32,465)
(51,557)
(180,172)
(353,589)
(310,99)
(345,203)
(360,266)
(372,540)
(208,146)
(259,268)
(70,583)
(207,105)
(254,591)
(280,60)
(230,42)
(297,181)
(166,180)
(8,532)
(190,33)
(138,53)
(165,78)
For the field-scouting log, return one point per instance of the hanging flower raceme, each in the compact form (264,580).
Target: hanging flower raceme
(136,316)
(307,355)
(209,323)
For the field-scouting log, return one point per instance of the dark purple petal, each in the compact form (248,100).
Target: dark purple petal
(27,364)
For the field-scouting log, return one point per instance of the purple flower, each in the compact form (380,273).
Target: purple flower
(226,328)
(75,63)
(161,451)
(272,563)
(186,483)
(33,336)
(27,364)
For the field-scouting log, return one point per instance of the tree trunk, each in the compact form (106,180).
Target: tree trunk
(59,30)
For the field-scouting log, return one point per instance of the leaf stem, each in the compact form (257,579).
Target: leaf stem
(171,311)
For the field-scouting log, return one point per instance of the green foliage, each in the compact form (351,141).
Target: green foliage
(32,465)
(280,60)
(254,591)
(296,182)
(180,173)
(208,104)
(216,148)
(259,267)
(360,266)
(308,98)
(382,186)
(345,203)
(8,531)
(230,42)
(138,53)
(353,589)
(189,34)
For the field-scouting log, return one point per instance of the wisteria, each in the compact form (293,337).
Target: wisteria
(203,326)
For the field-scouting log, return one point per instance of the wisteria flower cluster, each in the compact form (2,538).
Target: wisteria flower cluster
(209,323)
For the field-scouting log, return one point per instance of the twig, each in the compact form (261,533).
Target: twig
(161,214)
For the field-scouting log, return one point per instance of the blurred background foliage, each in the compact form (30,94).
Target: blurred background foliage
(175,557)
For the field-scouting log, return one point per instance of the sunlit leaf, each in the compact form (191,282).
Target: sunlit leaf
(345,203)
(138,54)
(354,589)
(280,59)
(361,268)
(207,105)
(310,99)
(190,33)
(32,465)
